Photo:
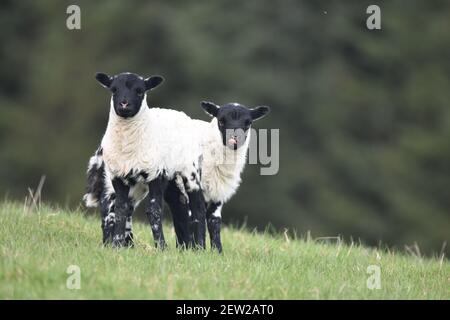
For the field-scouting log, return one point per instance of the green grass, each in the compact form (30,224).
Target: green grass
(37,248)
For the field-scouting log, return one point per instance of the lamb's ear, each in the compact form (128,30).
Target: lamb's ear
(259,112)
(153,82)
(104,79)
(211,108)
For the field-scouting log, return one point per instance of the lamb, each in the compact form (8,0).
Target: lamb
(142,151)
(100,190)
(225,144)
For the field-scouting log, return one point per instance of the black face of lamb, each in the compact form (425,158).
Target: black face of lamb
(234,120)
(128,91)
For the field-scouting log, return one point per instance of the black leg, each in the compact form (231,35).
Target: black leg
(197,207)
(214,221)
(179,207)
(123,209)
(154,212)
(198,217)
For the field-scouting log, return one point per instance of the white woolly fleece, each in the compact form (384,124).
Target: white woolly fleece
(221,166)
(152,141)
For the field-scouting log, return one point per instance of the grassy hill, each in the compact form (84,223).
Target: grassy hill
(36,248)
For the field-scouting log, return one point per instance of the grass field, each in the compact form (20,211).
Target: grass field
(37,248)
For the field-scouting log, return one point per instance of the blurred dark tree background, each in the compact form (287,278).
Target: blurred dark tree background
(364,116)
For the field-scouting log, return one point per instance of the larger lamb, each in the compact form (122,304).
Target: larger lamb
(141,151)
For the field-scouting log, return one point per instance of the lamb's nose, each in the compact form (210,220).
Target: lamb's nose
(124,104)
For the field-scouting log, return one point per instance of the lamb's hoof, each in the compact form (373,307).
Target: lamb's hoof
(216,246)
(129,241)
(182,246)
(161,245)
(119,242)
(199,246)
(194,245)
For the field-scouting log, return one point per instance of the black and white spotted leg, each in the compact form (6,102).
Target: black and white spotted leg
(129,237)
(123,208)
(179,207)
(154,211)
(138,192)
(197,206)
(214,221)
(108,216)
(198,209)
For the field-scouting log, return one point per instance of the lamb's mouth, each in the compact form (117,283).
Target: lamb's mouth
(233,141)
(124,112)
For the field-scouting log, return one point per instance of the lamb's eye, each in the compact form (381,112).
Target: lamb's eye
(113,90)
(139,91)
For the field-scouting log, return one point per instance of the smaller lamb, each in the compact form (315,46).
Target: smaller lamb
(225,143)
(142,150)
